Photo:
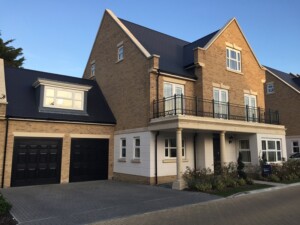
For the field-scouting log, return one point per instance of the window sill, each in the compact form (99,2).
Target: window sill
(270,93)
(135,161)
(119,60)
(234,71)
(122,160)
(173,160)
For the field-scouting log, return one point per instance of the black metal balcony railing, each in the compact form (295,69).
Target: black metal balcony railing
(194,106)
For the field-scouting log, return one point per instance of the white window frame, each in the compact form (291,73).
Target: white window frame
(55,98)
(169,101)
(136,147)
(269,150)
(220,107)
(252,109)
(120,53)
(123,148)
(167,149)
(245,149)
(236,60)
(270,88)
(295,146)
(93,69)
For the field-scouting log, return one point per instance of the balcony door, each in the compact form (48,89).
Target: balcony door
(251,108)
(170,90)
(220,103)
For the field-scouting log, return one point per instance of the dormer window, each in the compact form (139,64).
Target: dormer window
(233,59)
(61,97)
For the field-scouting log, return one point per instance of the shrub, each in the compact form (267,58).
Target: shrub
(240,167)
(274,178)
(203,186)
(241,182)
(4,206)
(218,183)
(249,181)
(230,182)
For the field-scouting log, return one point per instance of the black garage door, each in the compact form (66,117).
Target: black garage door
(36,161)
(89,159)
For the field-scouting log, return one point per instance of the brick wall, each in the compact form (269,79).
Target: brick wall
(287,102)
(54,128)
(215,70)
(125,84)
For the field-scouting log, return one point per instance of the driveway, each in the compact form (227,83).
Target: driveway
(89,202)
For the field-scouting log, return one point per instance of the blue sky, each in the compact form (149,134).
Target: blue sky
(57,35)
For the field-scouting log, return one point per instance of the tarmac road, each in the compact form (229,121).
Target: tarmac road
(276,207)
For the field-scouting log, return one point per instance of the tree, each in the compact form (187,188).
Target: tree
(12,56)
(240,167)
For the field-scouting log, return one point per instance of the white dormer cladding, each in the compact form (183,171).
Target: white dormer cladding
(3,98)
(62,95)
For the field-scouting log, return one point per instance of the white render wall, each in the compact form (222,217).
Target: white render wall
(167,167)
(289,144)
(129,167)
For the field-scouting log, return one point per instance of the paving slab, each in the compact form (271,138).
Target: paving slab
(90,202)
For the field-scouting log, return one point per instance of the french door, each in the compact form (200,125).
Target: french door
(170,91)
(220,103)
(251,108)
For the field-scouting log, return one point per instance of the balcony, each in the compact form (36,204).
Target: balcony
(194,106)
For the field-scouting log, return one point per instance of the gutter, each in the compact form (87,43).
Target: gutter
(5,150)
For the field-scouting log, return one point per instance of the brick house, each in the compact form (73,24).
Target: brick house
(53,129)
(282,91)
(182,104)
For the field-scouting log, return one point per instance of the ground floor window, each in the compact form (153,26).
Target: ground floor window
(137,148)
(295,146)
(123,148)
(170,148)
(271,149)
(244,149)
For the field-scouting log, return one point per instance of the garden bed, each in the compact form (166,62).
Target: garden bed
(5,217)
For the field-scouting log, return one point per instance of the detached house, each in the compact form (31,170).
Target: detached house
(53,129)
(282,91)
(182,104)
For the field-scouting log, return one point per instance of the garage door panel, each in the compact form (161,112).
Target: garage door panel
(89,159)
(36,161)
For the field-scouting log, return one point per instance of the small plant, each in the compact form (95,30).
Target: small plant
(5,206)
(249,181)
(203,186)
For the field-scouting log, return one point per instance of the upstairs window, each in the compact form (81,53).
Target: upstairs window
(120,53)
(63,98)
(233,59)
(93,69)
(270,88)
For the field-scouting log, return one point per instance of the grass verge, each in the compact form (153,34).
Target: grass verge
(231,191)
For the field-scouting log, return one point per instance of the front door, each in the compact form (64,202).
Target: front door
(217,153)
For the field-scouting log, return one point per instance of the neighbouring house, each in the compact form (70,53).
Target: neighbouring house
(53,129)
(182,104)
(282,92)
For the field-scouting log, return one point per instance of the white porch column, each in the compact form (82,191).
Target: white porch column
(179,184)
(222,147)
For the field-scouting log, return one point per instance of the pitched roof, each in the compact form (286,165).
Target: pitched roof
(292,80)
(175,54)
(23,102)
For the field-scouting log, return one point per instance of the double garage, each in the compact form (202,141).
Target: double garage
(39,160)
